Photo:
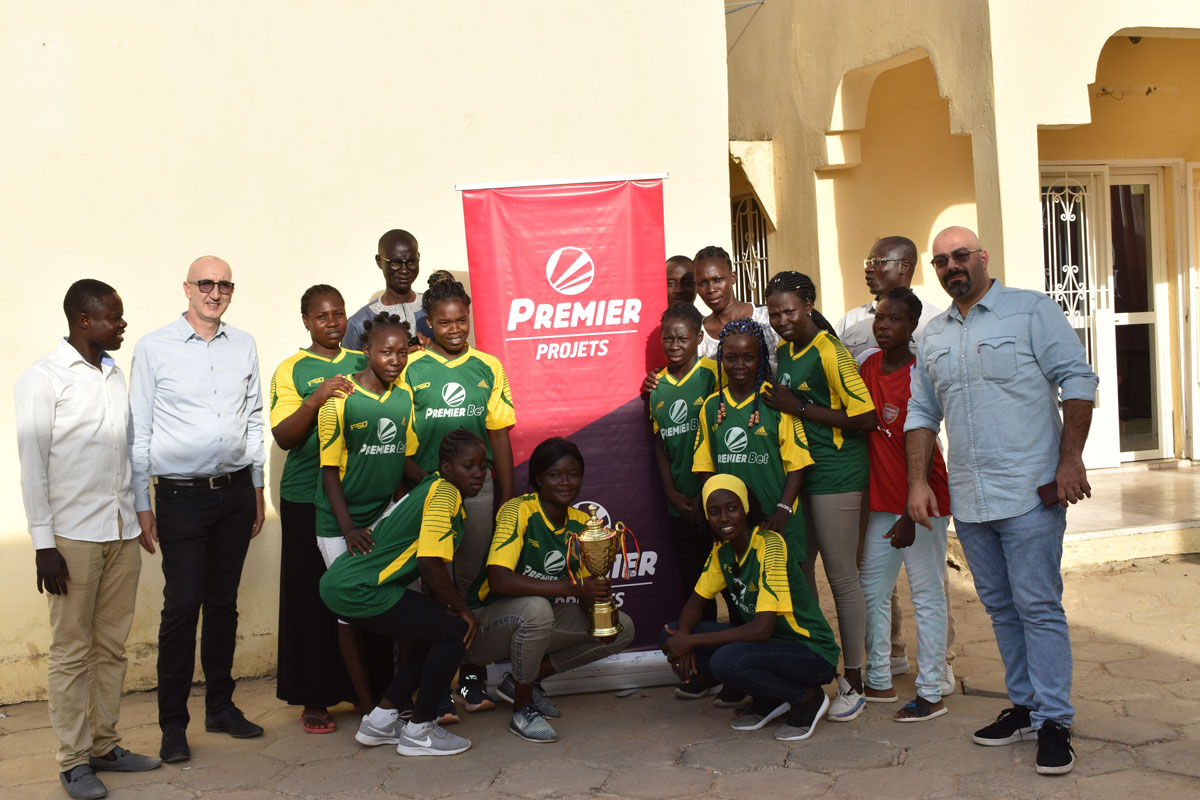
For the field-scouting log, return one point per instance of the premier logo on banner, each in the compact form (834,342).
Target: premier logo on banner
(567,289)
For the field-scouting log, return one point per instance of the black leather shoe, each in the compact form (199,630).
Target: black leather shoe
(174,746)
(233,722)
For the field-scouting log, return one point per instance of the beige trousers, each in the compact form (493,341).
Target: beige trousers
(88,628)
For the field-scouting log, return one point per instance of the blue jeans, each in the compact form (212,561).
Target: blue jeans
(1016,563)
(925,562)
(783,669)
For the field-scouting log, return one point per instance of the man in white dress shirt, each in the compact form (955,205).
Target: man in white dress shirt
(72,414)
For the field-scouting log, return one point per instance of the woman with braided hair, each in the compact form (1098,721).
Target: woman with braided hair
(819,383)
(741,435)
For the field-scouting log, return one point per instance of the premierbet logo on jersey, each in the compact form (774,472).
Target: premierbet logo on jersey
(736,442)
(386,431)
(453,396)
(679,415)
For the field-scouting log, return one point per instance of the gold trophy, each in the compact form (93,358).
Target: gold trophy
(597,551)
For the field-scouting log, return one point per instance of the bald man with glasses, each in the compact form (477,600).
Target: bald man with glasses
(996,365)
(196,404)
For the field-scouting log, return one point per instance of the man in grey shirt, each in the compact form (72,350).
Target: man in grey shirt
(196,404)
(400,261)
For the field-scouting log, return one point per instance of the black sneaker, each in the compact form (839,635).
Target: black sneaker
(447,712)
(1011,726)
(699,686)
(174,746)
(729,697)
(233,722)
(473,690)
(1055,756)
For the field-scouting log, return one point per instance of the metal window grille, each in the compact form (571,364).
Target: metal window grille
(749,248)
(1068,216)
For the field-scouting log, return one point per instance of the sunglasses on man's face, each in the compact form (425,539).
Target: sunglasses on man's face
(960,256)
(206,286)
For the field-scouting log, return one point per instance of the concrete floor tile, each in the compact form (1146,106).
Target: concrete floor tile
(1155,669)
(958,757)
(448,776)
(895,783)
(771,783)
(226,772)
(23,770)
(616,752)
(1019,782)
(1137,783)
(659,783)
(1104,651)
(1189,690)
(830,753)
(323,778)
(1108,688)
(1175,711)
(1178,757)
(1095,709)
(303,748)
(33,742)
(739,752)
(535,780)
(1103,760)
(1125,730)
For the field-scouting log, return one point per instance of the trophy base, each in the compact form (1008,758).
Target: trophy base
(606,633)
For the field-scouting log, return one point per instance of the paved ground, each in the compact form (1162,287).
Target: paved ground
(1136,629)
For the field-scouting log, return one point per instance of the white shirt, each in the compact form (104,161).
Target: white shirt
(856,328)
(708,345)
(73,436)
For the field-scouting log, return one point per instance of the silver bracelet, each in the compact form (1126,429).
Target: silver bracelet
(784,506)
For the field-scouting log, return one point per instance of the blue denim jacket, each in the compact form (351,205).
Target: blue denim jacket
(996,378)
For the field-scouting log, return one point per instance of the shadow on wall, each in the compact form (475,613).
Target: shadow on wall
(915,178)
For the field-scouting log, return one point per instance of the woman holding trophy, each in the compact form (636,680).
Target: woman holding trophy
(529,565)
(786,652)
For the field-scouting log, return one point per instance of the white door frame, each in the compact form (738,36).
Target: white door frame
(1178,178)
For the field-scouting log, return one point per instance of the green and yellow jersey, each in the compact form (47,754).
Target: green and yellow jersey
(764,579)
(426,523)
(470,391)
(529,544)
(826,374)
(761,456)
(366,436)
(675,414)
(294,380)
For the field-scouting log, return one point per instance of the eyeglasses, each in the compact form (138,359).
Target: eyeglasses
(874,263)
(206,286)
(398,264)
(960,256)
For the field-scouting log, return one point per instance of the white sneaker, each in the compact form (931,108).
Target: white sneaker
(900,665)
(848,703)
(429,739)
(947,684)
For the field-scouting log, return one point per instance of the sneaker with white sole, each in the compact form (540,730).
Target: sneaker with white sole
(429,739)
(847,704)
(1055,756)
(729,697)
(530,725)
(762,711)
(801,721)
(373,735)
(473,690)
(947,684)
(899,665)
(507,691)
(1012,725)
(447,711)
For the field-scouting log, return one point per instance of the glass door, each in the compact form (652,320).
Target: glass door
(1139,298)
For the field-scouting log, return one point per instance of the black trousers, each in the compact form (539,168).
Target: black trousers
(437,649)
(309,666)
(691,544)
(204,534)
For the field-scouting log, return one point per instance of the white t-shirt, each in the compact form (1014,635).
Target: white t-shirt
(708,345)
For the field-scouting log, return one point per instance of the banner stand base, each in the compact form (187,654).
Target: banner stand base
(638,669)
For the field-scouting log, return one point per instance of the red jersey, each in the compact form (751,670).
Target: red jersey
(885,444)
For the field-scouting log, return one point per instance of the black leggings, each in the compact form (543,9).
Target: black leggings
(438,648)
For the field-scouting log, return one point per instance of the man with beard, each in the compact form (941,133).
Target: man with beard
(995,365)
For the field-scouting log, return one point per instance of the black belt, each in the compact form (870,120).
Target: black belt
(215,482)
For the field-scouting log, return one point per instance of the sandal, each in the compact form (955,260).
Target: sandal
(919,710)
(315,722)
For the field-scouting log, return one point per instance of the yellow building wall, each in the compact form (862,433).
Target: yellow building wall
(915,178)
(286,137)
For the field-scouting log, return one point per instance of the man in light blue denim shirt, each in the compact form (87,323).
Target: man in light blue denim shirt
(995,365)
